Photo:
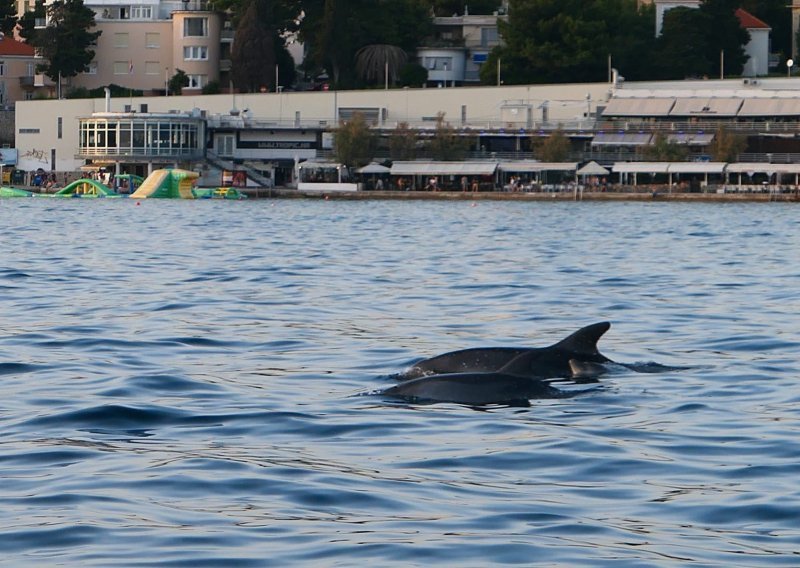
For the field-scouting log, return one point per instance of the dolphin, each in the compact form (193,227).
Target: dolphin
(474,389)
(551,362)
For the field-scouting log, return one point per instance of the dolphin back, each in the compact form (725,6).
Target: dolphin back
(554,361)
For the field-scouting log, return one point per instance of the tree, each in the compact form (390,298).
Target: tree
(663,149)
(335,30)
(413,75)
(727,145)
(446,144)
(553,148)
(374,62)
(693,42)
(682,47)
(403,143)
(65,42)
(253,54)
(353,142)
(725,34)
(178,81)
(567,41)
(8,17)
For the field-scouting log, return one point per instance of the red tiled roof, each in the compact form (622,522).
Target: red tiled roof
(10,46)
(749,22)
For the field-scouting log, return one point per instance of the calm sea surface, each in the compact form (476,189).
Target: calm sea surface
(187,384)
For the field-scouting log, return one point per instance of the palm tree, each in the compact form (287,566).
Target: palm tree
(374,62)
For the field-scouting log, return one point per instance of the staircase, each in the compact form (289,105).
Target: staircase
(223,164)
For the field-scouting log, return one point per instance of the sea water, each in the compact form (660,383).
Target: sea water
(192,384)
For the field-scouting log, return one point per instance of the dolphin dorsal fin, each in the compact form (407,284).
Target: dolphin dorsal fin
(584,341)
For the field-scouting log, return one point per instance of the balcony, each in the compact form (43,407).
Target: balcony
(32,82)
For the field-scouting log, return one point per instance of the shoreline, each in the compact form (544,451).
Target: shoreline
(284,193)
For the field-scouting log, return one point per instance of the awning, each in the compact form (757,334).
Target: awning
(374,168)
(696,167)
(641,167)
(319,165)
(443,168)
(639,106)
(532,166)
(762,167)
(767,108)
(706,107)
(691,139)
(622,139)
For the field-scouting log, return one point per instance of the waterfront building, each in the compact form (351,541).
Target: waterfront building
(267,135)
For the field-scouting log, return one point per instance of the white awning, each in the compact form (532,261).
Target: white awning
(319,165)
(622,139)
(531,166)
(374,168)
(691,139)
(696,167)
(639,106)
(706,106)
(641,167)
(762,167)
(443,168)
(771,107)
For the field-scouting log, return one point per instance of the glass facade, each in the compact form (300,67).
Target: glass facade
(142,137)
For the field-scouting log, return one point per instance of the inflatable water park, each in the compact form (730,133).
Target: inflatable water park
(161,184)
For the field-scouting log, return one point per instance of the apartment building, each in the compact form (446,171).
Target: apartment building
(18,78)
(144,42)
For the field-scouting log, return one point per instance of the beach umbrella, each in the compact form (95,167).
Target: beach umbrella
(592,169)
(374,168)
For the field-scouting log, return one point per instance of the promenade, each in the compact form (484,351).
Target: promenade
(638,196)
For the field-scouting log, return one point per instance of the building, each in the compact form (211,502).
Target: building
(460,46)
(144,43)
(18,78)
(758,48)
(268,134)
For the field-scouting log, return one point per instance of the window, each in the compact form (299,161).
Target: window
(195,52)
(120,40)
(60,127)
(152,39)
(92,69)
(2,68)
(197,81)
(30,70)
(152,68)
(122,67)
(195,27)
(489,37)
(141,13)
(439,63)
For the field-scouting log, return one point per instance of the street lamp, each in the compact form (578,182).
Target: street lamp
(789,65)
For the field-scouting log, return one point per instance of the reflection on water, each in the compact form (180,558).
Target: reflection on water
(178,384)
